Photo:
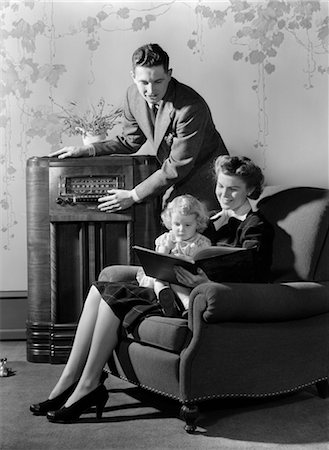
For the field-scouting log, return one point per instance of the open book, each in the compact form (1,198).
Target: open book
(221,263)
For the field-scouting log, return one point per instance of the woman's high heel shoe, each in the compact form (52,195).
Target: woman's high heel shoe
(98,397)
(41,409)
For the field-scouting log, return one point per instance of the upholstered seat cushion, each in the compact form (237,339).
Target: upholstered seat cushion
(163,332)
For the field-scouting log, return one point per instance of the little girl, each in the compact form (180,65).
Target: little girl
(185,217)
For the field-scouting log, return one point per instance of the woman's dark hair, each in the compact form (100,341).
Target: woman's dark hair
(244,168)
(150,55)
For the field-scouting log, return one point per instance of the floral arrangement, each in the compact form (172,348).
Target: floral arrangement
(94,121)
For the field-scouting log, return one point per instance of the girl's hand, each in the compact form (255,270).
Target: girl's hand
(188,279)
(163,249)
(167,244)
(171,241)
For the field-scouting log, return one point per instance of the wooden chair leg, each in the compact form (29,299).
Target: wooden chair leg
(323,388)
(189,412)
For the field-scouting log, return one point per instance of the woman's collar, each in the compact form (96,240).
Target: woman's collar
(240,213)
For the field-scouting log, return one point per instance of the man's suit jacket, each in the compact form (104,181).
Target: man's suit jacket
(183,138)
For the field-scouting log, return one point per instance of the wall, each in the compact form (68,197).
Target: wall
(262,67)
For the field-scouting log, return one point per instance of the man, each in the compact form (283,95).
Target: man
(176,121)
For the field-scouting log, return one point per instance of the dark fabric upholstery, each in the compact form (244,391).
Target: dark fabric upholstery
(254,359)
(149,367)
(300,218)
(163,332)
(118,273)
(261,302)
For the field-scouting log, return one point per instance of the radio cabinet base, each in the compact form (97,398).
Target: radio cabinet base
(49,343)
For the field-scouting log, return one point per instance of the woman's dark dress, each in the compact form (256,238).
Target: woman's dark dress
(128,301)
(131,303)
(254,232)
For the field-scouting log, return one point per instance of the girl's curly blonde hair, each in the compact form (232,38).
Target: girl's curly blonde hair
(186,205)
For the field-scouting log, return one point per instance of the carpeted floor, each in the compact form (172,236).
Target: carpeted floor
(134,419)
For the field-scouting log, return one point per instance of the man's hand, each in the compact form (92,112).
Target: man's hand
(188,279)
(117,200)
(72,152)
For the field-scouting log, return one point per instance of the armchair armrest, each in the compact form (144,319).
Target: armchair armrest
(118,273)
(246,302)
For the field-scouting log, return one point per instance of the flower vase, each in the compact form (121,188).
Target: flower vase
(92,138)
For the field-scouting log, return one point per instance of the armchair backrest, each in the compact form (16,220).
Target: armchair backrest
(300,218)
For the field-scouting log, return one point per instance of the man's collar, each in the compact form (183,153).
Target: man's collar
(156,105)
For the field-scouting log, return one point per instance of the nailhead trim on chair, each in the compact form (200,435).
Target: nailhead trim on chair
(229,395)
(266,394)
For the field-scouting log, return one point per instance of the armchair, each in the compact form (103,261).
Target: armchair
(245,340)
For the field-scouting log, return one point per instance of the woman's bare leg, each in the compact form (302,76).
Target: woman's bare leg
(83,337)
(104,340)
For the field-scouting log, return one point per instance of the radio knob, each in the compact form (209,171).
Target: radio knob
(60,201)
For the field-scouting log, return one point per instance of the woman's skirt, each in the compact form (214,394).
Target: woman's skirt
(129,302)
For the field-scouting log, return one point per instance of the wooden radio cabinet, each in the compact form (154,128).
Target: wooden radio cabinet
(69,241)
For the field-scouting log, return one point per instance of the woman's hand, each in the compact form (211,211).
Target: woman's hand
(117,200)
(188,279)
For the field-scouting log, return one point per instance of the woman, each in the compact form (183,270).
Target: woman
(238,179)
(109,306)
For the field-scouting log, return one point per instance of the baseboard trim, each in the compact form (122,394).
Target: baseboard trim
(13,315)
(13,294)
(13,335)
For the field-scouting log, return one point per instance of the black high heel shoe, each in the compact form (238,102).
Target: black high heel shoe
(98,397)
(41,409)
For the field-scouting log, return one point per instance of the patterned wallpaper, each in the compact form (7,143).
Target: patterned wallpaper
(58,50)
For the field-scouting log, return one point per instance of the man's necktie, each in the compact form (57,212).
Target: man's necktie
(154,112)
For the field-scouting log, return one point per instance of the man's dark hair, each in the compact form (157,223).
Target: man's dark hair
(150,55)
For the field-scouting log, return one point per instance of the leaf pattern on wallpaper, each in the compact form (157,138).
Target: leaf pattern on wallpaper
(52,73)
(21,73)
(263,27)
